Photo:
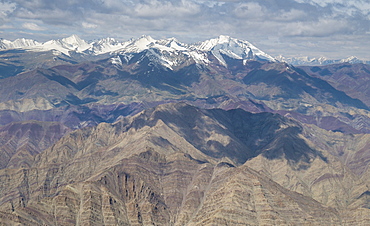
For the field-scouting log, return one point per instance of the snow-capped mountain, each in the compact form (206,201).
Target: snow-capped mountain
(171,53)
(65,45)
(234,48)
(319,61)
(18,43)
(105,45)
(168,52)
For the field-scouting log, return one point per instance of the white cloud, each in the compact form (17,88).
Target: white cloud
(6,8)
(323,27)
(6,26)
(32,26)
(291,15)
(89,25)
(211,3)
(348,7)
(156,8)
(290,23)
(249,10)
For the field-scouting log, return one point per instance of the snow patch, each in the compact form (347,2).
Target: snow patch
(116,61)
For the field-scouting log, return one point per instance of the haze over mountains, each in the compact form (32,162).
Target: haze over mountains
(166,133)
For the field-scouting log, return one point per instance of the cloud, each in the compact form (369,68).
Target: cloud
(6,27)
(273,24)
(33,27)
(89,25)
(6,8)
(321,28)
(155,9)
(291,15)
(251,10)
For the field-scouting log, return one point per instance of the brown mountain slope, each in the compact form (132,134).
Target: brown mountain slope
(171,190)
(353,79)
(20,141)
(179,165)
(253,85)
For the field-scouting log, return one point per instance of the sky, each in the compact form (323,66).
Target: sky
(316,28)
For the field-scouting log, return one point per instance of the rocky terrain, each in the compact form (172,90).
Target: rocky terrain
(20,141)
(157,132)
(164,167)
(254,86)
(352,79)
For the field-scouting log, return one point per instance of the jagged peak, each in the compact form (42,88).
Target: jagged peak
(219,46)
(107,40)
(305,60)
(139,44)
(172,43)
(146,38)
(167,41)
(224,38)
(210,44)
(18,43)
(74,40)
(351,59)
(173,39)
(232,47)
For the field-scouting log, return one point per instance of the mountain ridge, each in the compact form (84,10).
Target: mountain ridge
(129,172)
(319,61)
(165,133)
(111,46)
(272,86)
(235,48)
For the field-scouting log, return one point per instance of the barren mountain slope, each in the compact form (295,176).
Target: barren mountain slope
(20,141)
(174,164)
(353,79)
(158,132)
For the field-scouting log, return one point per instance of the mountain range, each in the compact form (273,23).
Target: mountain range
(75,45)
(309,61)
(226,45)
(165,133)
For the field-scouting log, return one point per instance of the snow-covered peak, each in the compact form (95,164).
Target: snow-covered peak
(165,46)
(23,43)
(224,42)
(224,38)
(72,40)
(168,50)
(211,44)
(233,48)
(75,42)
(65,45)
(138,45)
(106,45)
(352,60)
(18,43)
(173,44)
(304,60)
(106,41)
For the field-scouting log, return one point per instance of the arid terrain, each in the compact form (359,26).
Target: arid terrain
(166,133)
